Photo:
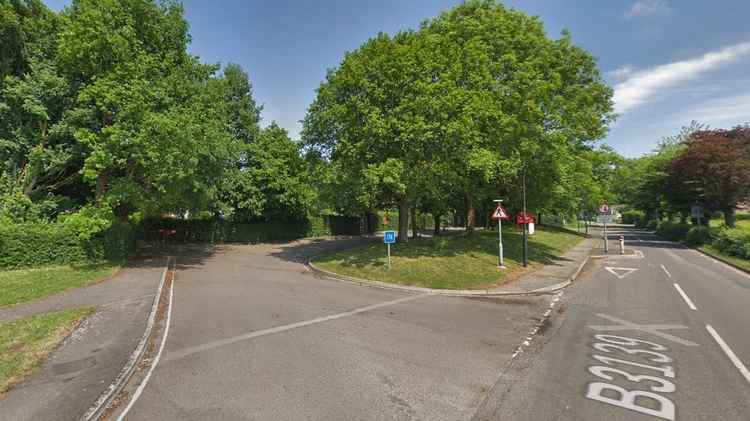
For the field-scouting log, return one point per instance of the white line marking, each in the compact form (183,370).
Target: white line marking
(685,297)
(655,330)
(151,369)
(620,273)
(736,361)
(278,329)
(666,271)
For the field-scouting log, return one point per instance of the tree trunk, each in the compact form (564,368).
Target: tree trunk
(403,221)
(436,228)
(470,214)
(729,218)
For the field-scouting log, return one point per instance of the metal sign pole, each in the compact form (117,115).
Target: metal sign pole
(499,215)
(389,256)
(606,247)
(500,240)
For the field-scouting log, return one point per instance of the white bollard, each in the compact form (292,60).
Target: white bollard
(622,244)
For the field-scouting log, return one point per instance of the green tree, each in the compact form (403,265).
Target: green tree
(150,116)
(479,93)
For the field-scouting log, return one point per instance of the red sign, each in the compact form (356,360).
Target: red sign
(500,214)
(525,218)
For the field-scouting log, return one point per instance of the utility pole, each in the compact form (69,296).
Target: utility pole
(525,225)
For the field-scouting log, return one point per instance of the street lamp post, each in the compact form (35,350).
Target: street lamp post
(525,225)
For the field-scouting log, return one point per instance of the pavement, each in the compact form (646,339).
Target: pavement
(84,366)
(660,334)
(255,335)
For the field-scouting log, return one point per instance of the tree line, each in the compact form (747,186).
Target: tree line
(105,116)
(709,168)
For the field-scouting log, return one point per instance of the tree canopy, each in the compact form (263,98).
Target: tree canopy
(458,109)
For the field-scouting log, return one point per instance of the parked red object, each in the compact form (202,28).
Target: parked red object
(525,218)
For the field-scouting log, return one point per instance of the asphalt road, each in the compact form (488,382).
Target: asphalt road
(662,336)
(255,336)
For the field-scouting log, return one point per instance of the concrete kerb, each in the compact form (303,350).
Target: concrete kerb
(551,289)
(106,398)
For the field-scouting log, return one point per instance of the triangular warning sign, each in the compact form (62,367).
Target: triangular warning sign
(620,272)
(500,213)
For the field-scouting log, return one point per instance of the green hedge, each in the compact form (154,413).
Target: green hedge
(673,231)
(733,245)
(226,231)
(634,217)
(37,244)
(724,241)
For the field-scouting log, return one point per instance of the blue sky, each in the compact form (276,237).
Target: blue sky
(670,62)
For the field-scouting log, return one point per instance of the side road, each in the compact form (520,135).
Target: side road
(87,362)
(253,331)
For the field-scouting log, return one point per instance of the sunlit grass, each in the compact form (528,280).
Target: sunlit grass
(450,262)
(25,343)
(17,286)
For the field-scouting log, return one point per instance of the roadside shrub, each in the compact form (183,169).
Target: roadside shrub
(214,230)
(634,217)
(738,246)
(48,243)
(697,236)
(652,225)
(673,231)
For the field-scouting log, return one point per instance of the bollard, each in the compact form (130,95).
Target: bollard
(622,244)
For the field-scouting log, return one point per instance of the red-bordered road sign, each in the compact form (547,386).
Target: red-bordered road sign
(500,213)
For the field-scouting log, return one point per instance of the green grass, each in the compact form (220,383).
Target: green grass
(17,286)
(737,261)
(743,224)
(25,343)
(450,262)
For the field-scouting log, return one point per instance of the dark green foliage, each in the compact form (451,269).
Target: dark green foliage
(697,236)
(673,231)
(226,231)
(635,217)
(38,243)
(733,245)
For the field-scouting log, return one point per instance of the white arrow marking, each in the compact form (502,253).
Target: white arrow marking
(620,272)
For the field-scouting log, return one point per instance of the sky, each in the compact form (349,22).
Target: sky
(669,62)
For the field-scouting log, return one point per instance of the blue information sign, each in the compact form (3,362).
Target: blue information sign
(389,237)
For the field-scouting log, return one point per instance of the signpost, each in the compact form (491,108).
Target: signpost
(695,212)
(389,237)
(500,215)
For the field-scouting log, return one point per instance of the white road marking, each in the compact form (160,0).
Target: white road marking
(666,271)
(685,297)
(139,390)
(724,347)
(278,329)
(655,330)
(620,273)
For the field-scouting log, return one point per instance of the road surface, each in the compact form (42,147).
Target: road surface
(255,336)
(663,334)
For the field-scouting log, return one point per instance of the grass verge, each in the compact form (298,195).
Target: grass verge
(450,262)
(739,262)
(25,343)
(20,285)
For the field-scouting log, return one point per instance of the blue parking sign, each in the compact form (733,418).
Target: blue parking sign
(389,237)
